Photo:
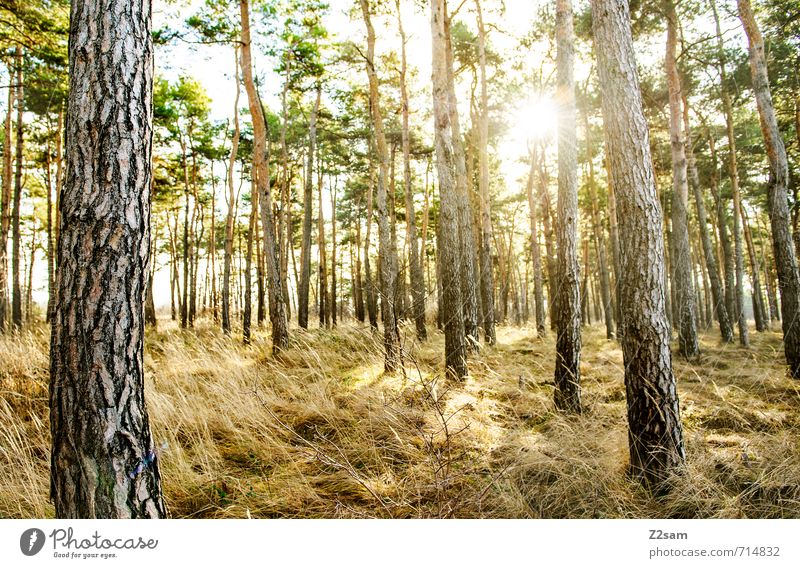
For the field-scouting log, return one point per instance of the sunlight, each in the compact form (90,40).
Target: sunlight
(537,120)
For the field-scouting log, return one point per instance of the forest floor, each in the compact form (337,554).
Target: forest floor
(323,432)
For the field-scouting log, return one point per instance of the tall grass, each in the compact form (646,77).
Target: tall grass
(323,432)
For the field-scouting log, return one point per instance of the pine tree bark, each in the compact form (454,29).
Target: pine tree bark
(567,394)
(684,307)
(785,261)
(5,202)
(103,462)
(733,169)
(486,274)
(386,254)
(470,275)
(415,268)
(449,240)
(277,308)
(231,199)
(715,282)
(536,257)
(16,287)
(655,435)
(308,210)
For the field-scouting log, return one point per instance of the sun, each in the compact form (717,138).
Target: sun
(537,119)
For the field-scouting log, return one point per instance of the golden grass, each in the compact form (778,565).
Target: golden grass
(322,432)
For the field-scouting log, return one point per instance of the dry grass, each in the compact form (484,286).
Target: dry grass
(322,432)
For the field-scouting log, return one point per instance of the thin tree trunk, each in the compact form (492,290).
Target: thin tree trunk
(103,461)
(231,199)
(386,255)
(308,192)
(654,429)
(333,302)
(712,269)
(567,394)
(417,280)
(449,241)
(536,257)
(5,201)
(280,327)
(785,261)
(487,280)
(322,281)
(16,288)
(681,259)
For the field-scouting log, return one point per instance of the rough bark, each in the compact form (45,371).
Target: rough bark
(277,308)
(785,261)
(16,287)
(104,463)
(712,269)
(415,268)
(231,199)
(654,428)
(5,203)
(567,394)
(449,243)
(386,254)
(308,210)
(681,259)
(536,257)
(486,274)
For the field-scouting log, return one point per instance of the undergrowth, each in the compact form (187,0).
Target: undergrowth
(321,431)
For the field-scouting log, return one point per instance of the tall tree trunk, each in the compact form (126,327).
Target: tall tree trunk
(308,192)
(16,288)
(231,199)
(655,435)
(449,241)
(567,394)
(358,288)
(322,281)
(333,302)
(717,291)
(372,307)
(386,254)
(277,308)
(613,233)
(415,268)
(536,257)
(487,280)
(248,267)
(785,261)
(599,237)
(5,201)
(547,217)
(682,259)
(738,295)
(103,461)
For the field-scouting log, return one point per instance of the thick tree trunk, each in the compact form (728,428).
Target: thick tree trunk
(16,287)
(103,461)
(277,308)
(386,254)
(415,268)
(231,199)
(681,259)
(308,210)
(654,429)
(449,241)
(785,261)
(568,295)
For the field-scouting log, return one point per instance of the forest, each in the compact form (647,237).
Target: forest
(400,259)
